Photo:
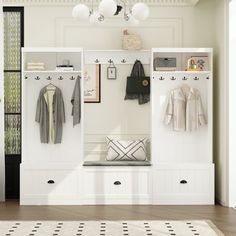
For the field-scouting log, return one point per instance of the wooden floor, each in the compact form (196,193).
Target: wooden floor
(223,218)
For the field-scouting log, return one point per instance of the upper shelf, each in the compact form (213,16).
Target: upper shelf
(182,50)
(116,56)
(182,72)
(52,72)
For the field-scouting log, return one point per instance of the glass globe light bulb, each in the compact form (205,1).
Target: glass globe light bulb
(107,8)
(81,12)
(140,11)
(132,20)
(95,18)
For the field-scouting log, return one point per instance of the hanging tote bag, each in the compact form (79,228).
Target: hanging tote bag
(137,82)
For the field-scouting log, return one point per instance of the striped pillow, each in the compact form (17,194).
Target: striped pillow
(126,150)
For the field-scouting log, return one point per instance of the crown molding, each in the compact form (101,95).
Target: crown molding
(74,2)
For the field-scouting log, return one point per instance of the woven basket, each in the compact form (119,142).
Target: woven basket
(131,42)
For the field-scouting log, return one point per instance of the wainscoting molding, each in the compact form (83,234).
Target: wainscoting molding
(73,2)
(164,32)
(155,32)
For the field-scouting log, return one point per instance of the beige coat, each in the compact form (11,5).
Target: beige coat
(184,109)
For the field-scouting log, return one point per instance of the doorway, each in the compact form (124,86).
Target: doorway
(13,41)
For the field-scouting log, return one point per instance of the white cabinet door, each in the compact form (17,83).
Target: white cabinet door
(2,153)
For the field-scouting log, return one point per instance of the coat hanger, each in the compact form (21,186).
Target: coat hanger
(51,86)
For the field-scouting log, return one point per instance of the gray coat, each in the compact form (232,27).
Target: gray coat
(42,115)
(76,102)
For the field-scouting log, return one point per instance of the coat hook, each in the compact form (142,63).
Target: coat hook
(173,78)
(37,78)
(72,78)
(49,78)
(96,61)
(196,78)
(60,78)
(207,77)
(184,78)
(161,78)
(110,61)
(123,61)
(26,77)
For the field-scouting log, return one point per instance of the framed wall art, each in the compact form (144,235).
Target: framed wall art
(92,83)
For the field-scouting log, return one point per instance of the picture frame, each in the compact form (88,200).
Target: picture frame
(92,83)
(111,72)
(198,63)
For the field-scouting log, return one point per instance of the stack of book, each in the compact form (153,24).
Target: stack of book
(35,66)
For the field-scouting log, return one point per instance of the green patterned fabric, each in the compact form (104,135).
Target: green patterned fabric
(12,81)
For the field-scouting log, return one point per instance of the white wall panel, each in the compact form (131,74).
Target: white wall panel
(232,110)
(221,103)
(166,27)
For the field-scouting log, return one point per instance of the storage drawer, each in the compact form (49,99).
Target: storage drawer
(182,181)
(49,182)
(116,183)
(183,186)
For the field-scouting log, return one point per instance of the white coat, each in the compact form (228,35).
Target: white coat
(184,109)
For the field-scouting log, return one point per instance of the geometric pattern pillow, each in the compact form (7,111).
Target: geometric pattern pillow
(126,150)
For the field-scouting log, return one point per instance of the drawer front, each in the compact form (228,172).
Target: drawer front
(116,183)
(182,181)
(49,182)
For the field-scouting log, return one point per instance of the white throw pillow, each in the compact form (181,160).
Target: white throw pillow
(126,150)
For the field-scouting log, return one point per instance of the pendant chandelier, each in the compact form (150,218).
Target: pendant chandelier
(109,8)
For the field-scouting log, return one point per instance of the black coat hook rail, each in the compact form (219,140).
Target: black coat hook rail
(51,78)
(184,78)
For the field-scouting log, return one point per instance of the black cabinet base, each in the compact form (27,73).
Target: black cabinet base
(12,174)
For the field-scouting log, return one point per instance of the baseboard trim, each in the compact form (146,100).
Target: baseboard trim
(48,200)
(222,203)
(183,200)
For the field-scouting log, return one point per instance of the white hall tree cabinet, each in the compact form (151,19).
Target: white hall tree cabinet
(183,169)
(49,172)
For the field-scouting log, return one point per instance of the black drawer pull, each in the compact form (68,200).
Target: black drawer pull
(51,181)
(183,181)
(117,183)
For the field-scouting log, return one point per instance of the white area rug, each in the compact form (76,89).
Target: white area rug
(108,228)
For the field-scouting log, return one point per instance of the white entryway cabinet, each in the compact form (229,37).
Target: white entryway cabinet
(49,172)
(181,171)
